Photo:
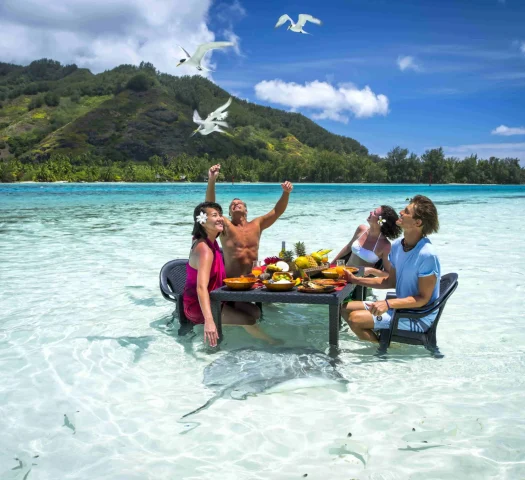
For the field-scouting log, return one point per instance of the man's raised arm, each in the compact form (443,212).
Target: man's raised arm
(213,173)
(269,219)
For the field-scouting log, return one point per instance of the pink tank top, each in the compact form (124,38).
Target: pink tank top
(192,308)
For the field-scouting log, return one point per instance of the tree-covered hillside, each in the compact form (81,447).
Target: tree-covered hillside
(134,123)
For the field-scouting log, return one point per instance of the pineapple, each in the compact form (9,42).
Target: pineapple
(303,260)
(311,261)
(288,256)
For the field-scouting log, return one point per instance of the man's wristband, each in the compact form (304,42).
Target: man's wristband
(387,304)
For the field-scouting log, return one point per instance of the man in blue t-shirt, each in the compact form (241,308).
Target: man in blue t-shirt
(415,275)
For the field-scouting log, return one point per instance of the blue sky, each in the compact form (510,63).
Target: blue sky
(466,76)
(418,74)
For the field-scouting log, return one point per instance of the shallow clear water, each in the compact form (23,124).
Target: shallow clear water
(93,383)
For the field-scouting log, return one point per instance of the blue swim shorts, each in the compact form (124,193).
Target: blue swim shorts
(383,321)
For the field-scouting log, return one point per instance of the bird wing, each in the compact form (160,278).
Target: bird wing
(197,118)
(222,116)
(304,17)
(185,52)
(221,124)
(283,19)
(205,47)
(220,110)
(225,106)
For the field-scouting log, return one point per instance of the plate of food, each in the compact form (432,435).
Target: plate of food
(240,283)
(277,276)
(311,287)
(353,270)
(335,272)
(329,281)
(330,273)
(282,285)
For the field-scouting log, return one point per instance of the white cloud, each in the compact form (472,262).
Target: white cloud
(508,131)
(407,63)
(522,47)
(230,12)
(101,34)
(333,102)
(486,150)
(230,36)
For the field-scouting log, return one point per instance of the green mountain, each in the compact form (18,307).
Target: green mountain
(134,123)
(134,113)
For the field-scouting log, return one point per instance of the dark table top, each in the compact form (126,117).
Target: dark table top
(263,295)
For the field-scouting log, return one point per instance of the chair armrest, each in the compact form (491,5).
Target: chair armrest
(168,294)
(430,307)
(419,312)
(411,313)
(391,295)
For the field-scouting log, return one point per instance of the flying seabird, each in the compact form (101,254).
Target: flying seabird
(297,27)
(205,127)
(213,121)
(195,59)
(220,113)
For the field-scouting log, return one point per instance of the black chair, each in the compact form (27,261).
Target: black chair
(172,280)
(447,286)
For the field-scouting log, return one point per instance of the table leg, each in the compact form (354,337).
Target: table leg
(334,313)
(216,311)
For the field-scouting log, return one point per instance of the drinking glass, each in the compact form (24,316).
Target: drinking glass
(340,267)
(256,268)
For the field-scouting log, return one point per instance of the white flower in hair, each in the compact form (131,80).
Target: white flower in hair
(201,218)
(381,220)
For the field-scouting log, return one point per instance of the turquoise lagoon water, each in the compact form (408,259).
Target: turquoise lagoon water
(94,383)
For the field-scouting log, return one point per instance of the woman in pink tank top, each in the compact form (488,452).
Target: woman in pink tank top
(205,272)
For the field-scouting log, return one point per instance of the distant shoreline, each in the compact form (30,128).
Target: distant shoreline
(32,182)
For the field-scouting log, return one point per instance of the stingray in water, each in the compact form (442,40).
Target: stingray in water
(247,371)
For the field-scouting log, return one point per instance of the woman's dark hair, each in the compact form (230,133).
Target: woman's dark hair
(390,229)
(426,211)
(198,229)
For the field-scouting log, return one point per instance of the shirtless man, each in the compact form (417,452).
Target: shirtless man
(240,237)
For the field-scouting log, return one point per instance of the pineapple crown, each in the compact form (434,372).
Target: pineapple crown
(288,256)
(300,249)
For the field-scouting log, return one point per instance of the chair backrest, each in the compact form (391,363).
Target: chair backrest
(172,279)
(447,286)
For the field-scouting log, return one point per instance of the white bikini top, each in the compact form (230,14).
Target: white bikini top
(368,256)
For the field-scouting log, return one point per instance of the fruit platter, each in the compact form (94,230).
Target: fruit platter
(297,262)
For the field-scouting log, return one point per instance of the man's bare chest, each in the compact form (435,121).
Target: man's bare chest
(235,237)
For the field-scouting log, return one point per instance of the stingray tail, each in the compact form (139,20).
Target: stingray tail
(202,407)
(213,399)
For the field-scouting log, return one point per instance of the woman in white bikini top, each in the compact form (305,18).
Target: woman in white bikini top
(372,243)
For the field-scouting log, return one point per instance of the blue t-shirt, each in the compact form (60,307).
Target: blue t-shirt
(421,261)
